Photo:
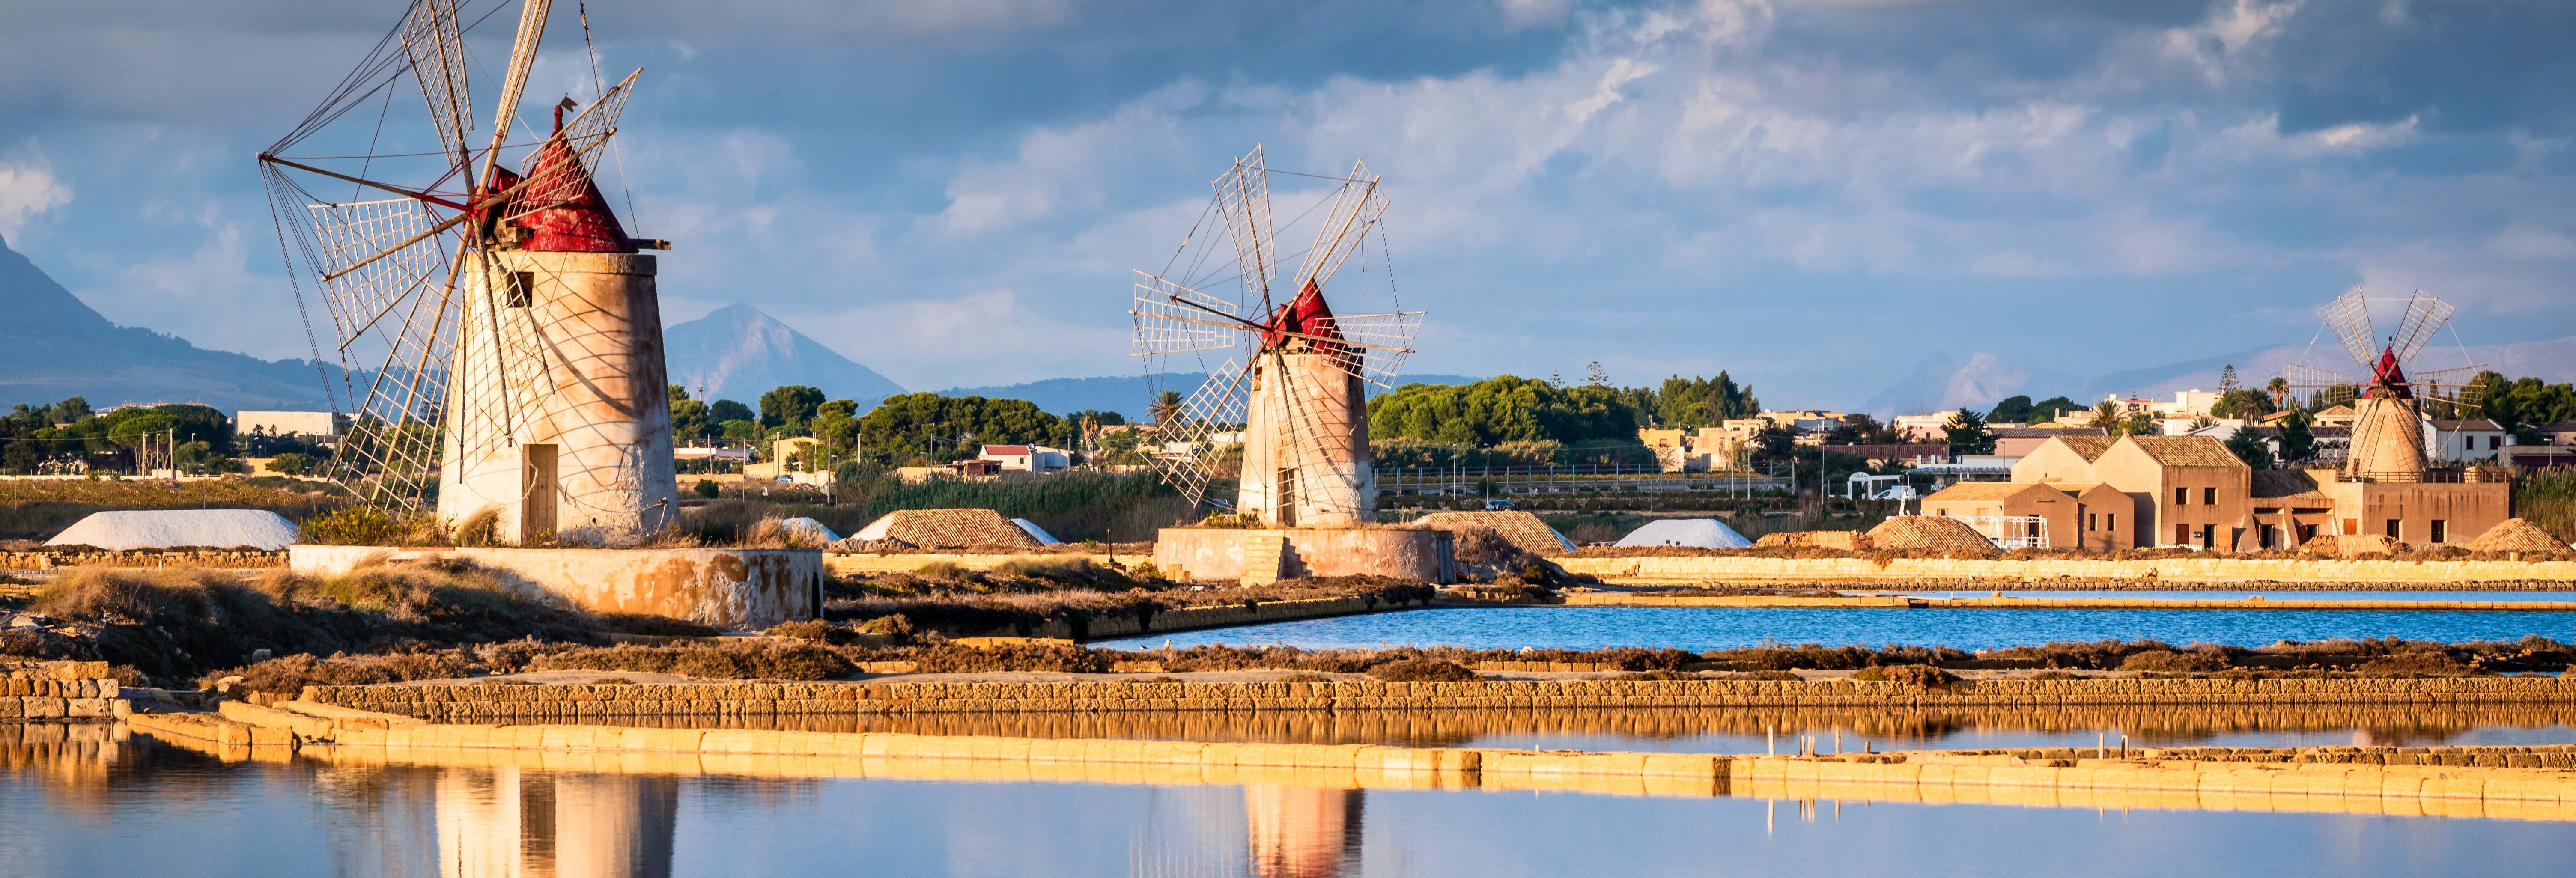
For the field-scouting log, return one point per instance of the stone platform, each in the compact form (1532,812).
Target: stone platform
(1217,553)
(728,588)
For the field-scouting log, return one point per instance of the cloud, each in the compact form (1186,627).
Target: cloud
(1521,14)
(28,189)
(983,337)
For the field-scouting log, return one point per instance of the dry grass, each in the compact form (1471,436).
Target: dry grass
(289,675)
(762,660)
(1421,670)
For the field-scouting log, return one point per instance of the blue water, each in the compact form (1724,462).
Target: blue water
(143,810)
(1702,628)
(2210,595)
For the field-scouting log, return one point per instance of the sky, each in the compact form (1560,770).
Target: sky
(1810,195)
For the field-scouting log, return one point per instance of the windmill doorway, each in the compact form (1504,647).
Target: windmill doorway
(537,503)
(1285,502)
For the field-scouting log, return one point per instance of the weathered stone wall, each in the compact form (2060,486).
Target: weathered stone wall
(1212,553)
(730,588)
(60,690)
(151,559)
(445,702)
(2057,572)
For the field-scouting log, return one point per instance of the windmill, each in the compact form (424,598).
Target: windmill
(1293,374)
(505,329)
(2390,392)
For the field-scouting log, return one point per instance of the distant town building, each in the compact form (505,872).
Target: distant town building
(1026,458)
(1922,428)
(311,425)
(2073,515)
(2472,440)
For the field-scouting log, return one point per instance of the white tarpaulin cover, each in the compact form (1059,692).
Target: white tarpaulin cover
(809,527)
(1698,533)
(1035,532)
(171,528)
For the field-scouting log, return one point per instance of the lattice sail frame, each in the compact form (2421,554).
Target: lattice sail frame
(1172,318)
(2451,391)
(396,275)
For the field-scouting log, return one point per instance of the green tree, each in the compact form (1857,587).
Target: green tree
(2279,389)
(2248,446)
(789,404)
(2242,402)
(1774,443)
(1967,433)
(1166,407)
(290,464)
(2015,409)
(2053,408)
(723,411)
(1509,408)
(740,430)
(2519,403)
(2227,379)
(688,416)
(928,426)
(2298,446)
(1703,402)
(2108,415)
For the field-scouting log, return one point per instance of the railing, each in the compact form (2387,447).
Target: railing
(2009,531)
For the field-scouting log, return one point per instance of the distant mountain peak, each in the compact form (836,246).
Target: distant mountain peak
(54,346)
(738,352)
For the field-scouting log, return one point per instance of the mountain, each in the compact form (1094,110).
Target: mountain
(739,353)
(53,345)
(1942,381)
(1126,395)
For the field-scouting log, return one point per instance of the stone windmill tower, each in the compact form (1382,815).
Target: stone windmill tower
(1293,386)
(2389,396)
(506,329)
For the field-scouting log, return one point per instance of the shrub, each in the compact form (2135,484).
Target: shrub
(769,660)
(951,659)
(482,528)
(289,675)
(651,625)
(706,488)
(1915,676)
(2166,660)
(353,526)
(1421,670)
(2414,664)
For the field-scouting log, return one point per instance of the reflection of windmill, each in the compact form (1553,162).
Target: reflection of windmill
(2390,394)
(508,331)
(1294,379)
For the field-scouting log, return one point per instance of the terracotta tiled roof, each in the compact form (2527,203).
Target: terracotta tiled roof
(2283,486)
(1967,491)
(2091,448)
(2186,450)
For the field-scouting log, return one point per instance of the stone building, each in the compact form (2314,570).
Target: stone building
(2189,491)
(2079,515)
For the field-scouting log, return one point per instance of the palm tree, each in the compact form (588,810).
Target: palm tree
(2279,387)
(2107,415)
(1166,407)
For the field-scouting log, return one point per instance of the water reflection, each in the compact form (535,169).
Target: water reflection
(1302,832)
(514,823)
(83,800)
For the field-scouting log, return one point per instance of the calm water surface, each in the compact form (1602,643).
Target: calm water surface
(1702,628)
(143,809)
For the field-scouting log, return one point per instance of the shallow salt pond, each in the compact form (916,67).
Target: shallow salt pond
(140,808)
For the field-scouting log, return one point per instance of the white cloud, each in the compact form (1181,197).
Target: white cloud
(28,189)
(984,337)
(2228,40)
(2530,242)
(1522,14)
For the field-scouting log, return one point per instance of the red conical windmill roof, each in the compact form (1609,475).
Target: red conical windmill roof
(1305,315)
(569,215)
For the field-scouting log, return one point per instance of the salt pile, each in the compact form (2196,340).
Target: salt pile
(947,529)
(1699,533)
(1521,529)
(2516,535)
(1930,533)
(173,528)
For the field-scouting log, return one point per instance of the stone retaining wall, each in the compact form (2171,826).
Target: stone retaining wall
(845,563)
(225,559)
(2060,572)
(478,701)
(60,690)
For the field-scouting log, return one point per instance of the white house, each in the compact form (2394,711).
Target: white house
(319,425)
(2466,441)
(1026,458)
